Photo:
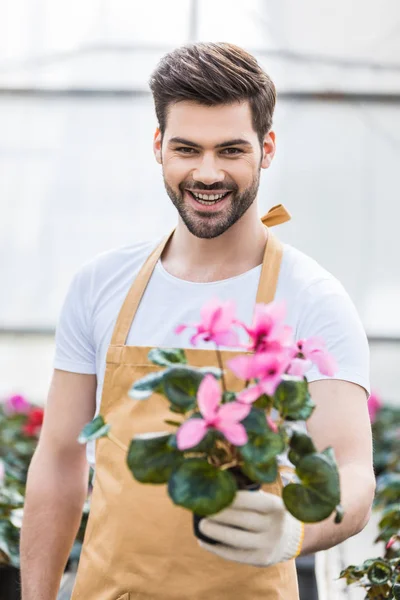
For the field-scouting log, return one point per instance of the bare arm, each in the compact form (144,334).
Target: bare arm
(341,420)
(57,485)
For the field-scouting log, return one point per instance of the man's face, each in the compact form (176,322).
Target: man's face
(211,159)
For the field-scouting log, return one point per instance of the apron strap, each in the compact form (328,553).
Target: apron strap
(266,289)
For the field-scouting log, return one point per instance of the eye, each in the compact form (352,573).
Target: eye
(232,151)
(185,150)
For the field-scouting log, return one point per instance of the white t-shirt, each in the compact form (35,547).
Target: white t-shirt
(317,304)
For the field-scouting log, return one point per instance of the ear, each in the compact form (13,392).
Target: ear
(157,141)
(268,150)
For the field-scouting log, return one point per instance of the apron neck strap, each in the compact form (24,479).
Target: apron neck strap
(266,288)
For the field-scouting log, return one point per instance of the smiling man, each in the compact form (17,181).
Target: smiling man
(214,106)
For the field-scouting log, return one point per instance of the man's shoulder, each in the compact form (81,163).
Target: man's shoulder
(301,273)
(117,261)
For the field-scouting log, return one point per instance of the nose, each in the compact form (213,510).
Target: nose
(207,171)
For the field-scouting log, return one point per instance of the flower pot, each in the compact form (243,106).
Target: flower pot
(243,483)
(10,586)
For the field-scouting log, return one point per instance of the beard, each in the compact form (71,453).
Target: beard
(209,225)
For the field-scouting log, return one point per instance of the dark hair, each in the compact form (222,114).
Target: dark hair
(213,74)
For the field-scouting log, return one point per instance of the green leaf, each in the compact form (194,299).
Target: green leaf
(208,441)
(315,498)
(165,357)
(181,385)
(379,572)
(215,371)
(146,386)
(228,397)
(339,514)
(201,487)
(291,396)
(390,516)
(264,402)
(303,413)
(94,430)
(396,591)
(256,421)
(262,447)
(261,472)
(301,443)
(152,459)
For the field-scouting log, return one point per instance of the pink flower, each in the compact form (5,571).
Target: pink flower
(266,367)
(17,405)
(374,406)
(224,418)
(314,349)
(272,425)
(390,543)
(217,319)
(268,333)
(298,367)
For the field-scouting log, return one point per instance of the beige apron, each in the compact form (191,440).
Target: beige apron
(139,545)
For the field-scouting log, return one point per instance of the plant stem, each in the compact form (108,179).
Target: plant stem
(174,423)
(221,366)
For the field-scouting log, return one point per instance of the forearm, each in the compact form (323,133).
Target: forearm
(52,515)
(357,493)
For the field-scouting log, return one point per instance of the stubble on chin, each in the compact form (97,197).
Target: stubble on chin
(211,225)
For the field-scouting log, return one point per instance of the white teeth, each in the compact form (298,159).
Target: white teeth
(208,198)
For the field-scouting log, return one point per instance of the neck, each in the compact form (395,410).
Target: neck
(236,251)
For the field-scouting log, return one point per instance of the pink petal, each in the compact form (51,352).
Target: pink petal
(298,367)
(243,367)
(269,385)
(325,362)
(233,412)
(250,394)
(272,425)
(224,318)
(226,338)
(235,433)
(312,344)
(195,337)
(190,433)
(17,405)
(209,397)
(208,311)
(180,328)
(374,405)
(270,316)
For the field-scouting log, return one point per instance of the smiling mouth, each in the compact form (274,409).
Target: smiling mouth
(208,199)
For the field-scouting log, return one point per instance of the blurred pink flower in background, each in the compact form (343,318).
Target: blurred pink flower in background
(224,418)
(217,319)
(374,405)
(16,405)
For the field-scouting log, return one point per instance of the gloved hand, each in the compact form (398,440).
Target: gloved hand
(255,529)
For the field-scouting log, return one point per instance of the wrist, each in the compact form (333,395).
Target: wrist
(291,542)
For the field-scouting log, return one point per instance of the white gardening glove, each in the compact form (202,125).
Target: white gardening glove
(255,529)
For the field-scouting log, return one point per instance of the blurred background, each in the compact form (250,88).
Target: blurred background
(77,174)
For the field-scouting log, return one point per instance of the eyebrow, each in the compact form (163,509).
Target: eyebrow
(235,142)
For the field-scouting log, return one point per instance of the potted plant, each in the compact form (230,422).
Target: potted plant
(224,440)
(20,426)
(380,576)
